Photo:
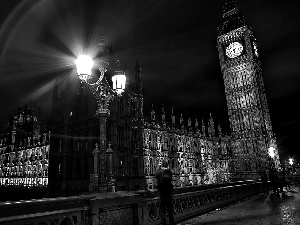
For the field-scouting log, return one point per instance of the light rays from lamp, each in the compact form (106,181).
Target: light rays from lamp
(30,54)
(51,36)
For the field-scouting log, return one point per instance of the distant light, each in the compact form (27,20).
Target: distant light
(272,152)
(291,161)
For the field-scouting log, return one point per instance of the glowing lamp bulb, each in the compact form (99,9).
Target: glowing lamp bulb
(291,161)
(84,64)
(271,152)
(119,81)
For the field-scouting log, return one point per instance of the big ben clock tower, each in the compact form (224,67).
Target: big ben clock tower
(248,111)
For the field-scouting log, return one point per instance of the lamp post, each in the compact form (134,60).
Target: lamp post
(291,162)
(104,94)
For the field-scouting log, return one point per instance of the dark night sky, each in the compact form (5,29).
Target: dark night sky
(175,42)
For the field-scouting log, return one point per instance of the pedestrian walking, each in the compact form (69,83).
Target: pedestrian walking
(264,181)
(165,188)
(282,181)
(275,181)
(287,182)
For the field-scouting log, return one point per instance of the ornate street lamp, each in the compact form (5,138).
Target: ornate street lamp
(103,94)
(291,162)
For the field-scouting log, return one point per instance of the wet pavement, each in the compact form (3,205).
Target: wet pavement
(261,210)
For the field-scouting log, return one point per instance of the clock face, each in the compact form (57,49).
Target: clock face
(255,49)
(234,49)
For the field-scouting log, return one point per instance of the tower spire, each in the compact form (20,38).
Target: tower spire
(152,112)
(228,6)
(138,78)
(203,128)
(163,116)
(232,18)
(211,126)
(173,118)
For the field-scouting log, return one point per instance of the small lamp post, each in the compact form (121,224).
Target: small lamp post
(271,152)
(271,159)
(104,94)
(291,162)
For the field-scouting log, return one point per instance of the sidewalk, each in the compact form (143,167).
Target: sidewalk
(265,209)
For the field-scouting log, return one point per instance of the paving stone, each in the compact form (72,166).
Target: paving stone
(262,210)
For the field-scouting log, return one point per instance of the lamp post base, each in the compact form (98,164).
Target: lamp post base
(111,188)
(95,186)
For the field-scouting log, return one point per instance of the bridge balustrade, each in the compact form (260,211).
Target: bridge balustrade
(190,202)
(52,211)
(294,179)
(141,207)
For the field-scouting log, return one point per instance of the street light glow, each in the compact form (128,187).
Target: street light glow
(119,81)
(84,64)
(271,152)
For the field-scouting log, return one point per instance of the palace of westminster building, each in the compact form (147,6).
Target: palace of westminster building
(198,152)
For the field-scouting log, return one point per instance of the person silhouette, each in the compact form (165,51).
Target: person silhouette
(264,181)
(165,188)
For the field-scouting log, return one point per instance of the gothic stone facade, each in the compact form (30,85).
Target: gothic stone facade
(195,157)
(24,151)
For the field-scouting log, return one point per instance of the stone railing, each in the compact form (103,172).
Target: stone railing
(140,207)
(294,179)
(190,202)
(102,209)
(56,211)
(115,208)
